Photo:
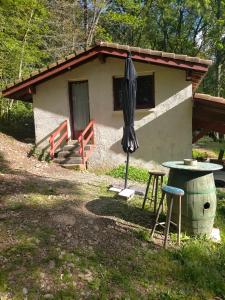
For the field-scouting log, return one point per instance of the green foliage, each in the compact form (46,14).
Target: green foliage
(182,26)
(134,173)
(18,121)
(199,155)
(21,38)
(214,147)
(40,154)
(22,26)
(202,262)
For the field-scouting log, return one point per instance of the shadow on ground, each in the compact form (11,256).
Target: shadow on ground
(47,233)
(108,206)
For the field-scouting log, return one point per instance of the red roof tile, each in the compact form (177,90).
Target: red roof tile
(21,89)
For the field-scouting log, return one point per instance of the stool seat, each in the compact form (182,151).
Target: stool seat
(157,173)
(173,190)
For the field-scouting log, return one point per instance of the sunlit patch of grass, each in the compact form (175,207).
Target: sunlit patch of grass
(208,144)
(42,188)
(221,194)
(220,213)
(134,173)
(3,281)
(201,262)
(15,205)
(143,234)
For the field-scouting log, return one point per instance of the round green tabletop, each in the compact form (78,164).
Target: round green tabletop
(200,167)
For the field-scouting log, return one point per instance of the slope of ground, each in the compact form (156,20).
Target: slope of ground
(63,236)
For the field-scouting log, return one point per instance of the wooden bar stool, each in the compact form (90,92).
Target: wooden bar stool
(173,194)
(157,176)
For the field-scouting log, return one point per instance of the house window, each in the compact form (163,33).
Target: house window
(145,92)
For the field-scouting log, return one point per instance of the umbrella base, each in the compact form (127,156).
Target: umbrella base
(115,189)
(126,194)
(140,191)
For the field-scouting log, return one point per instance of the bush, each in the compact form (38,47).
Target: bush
(18,121)
(40,154)
(202,156)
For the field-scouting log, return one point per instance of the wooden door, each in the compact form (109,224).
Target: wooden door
(79,107)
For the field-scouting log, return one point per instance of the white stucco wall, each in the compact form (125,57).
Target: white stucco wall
(164,133)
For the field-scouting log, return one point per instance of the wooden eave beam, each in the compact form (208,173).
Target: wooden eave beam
(50,73)
(157,60)
(60,68)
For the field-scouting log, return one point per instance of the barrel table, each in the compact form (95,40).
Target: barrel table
(199,201)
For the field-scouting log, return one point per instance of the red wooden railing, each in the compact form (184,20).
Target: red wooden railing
(87,136)
(61,131)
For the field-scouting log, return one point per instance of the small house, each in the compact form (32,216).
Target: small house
(77,101)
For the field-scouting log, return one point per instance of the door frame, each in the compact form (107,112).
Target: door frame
(72,127)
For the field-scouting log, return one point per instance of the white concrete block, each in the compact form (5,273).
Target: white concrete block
(126,193)
(215,235)
(115,189)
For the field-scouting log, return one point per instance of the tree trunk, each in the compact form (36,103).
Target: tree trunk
(85,14)
(24,44)
(218,65)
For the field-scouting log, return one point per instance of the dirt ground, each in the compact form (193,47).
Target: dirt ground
(63,235)
(47,213)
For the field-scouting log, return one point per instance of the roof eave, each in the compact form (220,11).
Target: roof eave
(19,88)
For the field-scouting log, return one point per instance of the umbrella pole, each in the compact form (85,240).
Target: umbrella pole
(127,166)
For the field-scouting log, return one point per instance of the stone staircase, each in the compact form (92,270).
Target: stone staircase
(72,153)
(69,155)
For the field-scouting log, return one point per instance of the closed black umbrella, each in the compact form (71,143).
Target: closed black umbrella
(129,140)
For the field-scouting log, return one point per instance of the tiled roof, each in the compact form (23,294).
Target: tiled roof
(18,88)
(48,67)
(156,53)
(208,98)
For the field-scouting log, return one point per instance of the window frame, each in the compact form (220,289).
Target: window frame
(116,106)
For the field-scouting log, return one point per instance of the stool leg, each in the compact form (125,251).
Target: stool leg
(179,222)
(153,189)
(161,190)
(156,193)
(146,192)
(168,219)
(157,215)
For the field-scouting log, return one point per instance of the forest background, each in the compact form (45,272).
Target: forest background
(34,33)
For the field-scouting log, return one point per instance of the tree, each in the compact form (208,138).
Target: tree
(72,25)
(215,48)
(21,35)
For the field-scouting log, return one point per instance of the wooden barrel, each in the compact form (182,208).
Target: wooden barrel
(199,202)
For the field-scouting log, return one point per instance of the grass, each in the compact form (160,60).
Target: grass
(134,173)
(196,154)
(206,144)
(41,253)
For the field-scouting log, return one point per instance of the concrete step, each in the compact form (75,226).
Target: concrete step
(71,147)
(67,154)
(65,161)
(78,167)
(72,142)
(75,147)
